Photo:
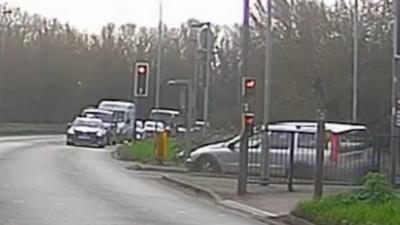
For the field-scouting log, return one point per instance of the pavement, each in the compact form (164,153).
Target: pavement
(44,182)
(273,201)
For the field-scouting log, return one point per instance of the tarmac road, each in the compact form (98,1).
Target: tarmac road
(44,182)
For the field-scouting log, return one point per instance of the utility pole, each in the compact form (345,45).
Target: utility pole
(355,62)
(267,96)
(159,58)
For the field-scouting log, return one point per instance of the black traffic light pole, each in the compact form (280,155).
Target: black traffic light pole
(243,158)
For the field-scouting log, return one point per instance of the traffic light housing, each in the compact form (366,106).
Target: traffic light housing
(249,87)
(142,73)
(249,119)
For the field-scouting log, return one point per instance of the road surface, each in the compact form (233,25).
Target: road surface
(44,182)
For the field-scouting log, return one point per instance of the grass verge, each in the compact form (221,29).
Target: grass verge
(374,204)
(16,129)
(143,151)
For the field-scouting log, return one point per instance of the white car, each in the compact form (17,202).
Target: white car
(151,127)
(88,132)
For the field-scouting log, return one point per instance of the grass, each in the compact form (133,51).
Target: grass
(374,204)
(143,151)
(8,129)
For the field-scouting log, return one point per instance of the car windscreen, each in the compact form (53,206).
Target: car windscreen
(162,117)
(87,123)
(119,116)
(105,117)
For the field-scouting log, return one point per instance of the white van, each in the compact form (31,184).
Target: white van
(125,115)
(170,118)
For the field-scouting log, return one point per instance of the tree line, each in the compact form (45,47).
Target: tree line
(50,70)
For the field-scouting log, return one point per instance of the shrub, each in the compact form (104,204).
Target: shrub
(374,204)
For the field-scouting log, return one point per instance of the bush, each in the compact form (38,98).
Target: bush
(374,204)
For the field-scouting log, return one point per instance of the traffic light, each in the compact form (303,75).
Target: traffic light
(249,119)
(142,72)
(249,87)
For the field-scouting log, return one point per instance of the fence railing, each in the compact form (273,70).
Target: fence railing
(292,157)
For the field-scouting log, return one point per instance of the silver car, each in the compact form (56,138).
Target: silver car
(348,152)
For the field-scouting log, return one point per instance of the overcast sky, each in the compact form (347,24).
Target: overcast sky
(90,15)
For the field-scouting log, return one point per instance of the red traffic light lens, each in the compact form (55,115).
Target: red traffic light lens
(250,83)
(249,119)
(142,70)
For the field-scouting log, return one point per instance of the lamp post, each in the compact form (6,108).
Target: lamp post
(207,47)
(355,63)
(188,85)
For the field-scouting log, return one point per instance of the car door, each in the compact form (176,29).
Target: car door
(230,160)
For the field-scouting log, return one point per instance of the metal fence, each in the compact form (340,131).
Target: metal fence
(348,156)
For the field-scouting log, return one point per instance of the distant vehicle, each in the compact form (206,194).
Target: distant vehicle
(139,128)
(348,154)
(170,118)
(125,115)
(109,121)
(88,132)
(151,127)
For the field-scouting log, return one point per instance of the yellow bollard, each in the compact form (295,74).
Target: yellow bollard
(161,151)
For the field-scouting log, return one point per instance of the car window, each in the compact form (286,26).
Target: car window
(87,123)
(105,117)
(119,116)
(355,141)
(279,139)
(307,140)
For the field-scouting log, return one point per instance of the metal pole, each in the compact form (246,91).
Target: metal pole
(245,48)
(319,165)
(244,141)
(394,109)
(195,85)
(207,83)
(159,58)
(293,137)
(393,131)
(243,161)
(188,119)
(267,92)
(355,62)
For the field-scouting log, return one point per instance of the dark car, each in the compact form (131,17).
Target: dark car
(87,132)
(109,122)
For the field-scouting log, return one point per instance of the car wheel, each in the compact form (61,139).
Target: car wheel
(69,143)
(208,164)
(102,145)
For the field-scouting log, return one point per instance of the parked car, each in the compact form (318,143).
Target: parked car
(151,127)
(348,152)
(139,129)
(109,122)
(87,132)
